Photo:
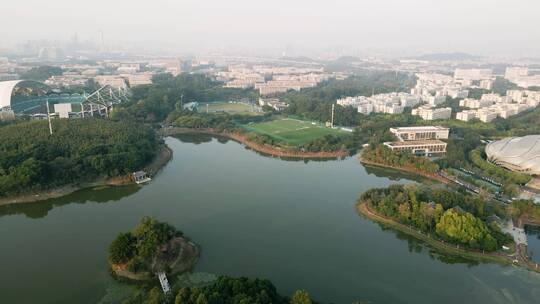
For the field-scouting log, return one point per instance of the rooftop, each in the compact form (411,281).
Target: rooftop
(421,128)
(415,143)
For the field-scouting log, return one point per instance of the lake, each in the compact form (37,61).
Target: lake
(293,222)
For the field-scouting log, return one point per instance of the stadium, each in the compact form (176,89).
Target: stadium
(520,154)
(25,97)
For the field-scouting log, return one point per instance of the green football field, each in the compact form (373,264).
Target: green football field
(292,131)
(217,107)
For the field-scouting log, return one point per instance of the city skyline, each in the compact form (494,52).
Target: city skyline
(292,28)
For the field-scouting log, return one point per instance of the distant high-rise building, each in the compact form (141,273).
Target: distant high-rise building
(516,72)
(50,53)
(473,74)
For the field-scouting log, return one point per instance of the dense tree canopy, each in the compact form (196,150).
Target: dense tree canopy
(41,73)
(225,290)
(526,208)
(80,149)
(137,248)
(154,102)
(464,228)
(454,217)
(501,174)
(383,155)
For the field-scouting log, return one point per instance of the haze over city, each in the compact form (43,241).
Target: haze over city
(302,27)
(270,152)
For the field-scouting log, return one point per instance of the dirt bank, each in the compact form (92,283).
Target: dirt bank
(176,257)
(265,149)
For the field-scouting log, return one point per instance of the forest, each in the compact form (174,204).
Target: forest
(41,73)
(454,217)
(139,247)
(225,290)
(78,150)
(153,103)
(383,155)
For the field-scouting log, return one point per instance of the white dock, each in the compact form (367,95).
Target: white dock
(164,282)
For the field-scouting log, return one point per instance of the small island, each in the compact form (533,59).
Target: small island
(152,247)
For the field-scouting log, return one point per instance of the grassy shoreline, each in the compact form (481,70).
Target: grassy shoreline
(160,160)
(265,149)
(408,170)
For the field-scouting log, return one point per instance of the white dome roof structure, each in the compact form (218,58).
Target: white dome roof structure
(521,154)
(6,89)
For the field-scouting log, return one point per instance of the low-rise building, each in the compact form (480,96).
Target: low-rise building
(274,103)
(365,109)
(486,115)
(473,74)
(475,103)
(466,115)
(434,100)
(420,147)
(139,79)
(428,113)
(457,93)
(420,133)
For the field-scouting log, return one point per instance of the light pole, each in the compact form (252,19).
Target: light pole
(49,117)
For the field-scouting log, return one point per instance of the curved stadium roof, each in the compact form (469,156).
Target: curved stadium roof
(6,90)
(520,154)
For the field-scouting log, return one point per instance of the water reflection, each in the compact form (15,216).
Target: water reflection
(394,175)
(95,195)
(533,242)
(198,138)
(418,246)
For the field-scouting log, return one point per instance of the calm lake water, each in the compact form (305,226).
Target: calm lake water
(533,242)
(292,222)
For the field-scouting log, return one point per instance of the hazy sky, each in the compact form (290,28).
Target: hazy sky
(477,26)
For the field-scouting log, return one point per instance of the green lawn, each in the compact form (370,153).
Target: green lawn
(236,108)
(292,131)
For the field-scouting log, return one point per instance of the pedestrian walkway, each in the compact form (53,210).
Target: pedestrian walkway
(517,233)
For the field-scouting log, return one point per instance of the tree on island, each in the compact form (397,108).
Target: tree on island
(457,218)
(138,249)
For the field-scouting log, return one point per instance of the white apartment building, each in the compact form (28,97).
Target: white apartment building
(428,113)
(516,72)
(521,77)
(390,103)
(466,115)
(494,97)
(475,103)
(473,74)
(516,95)
(139,79)
(457,93)
(486,84)
(486,115)
(366,108)
(111,80)
(274,103)
(434,100)
(239,84)
(420,133)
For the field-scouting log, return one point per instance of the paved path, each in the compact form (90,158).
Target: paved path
(517,233)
